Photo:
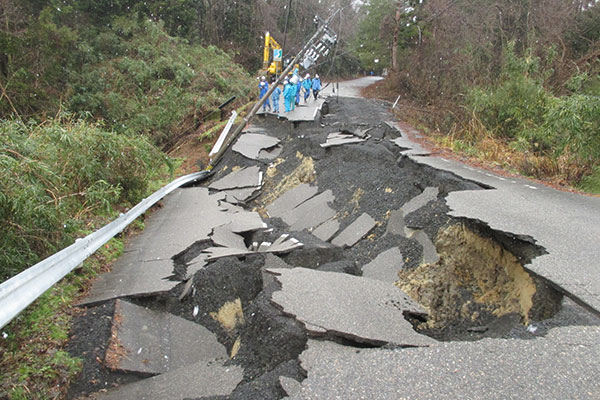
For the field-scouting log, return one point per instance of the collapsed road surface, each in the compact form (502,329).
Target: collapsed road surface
(334,258)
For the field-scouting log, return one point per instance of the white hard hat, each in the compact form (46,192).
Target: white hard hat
(263,78)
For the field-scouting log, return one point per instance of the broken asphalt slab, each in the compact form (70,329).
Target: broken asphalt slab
(251,145)
(243,178)
(329,301)
(224,236)
(305,112)
(283,244)
(385,266)
(291,199)
(326,230)
(153,342)
(201,379)
(339,139)
(411,148)
(430,255)
(429,194)
(131,276)
(188,216)
(563,365)
(311,213)
(355,231)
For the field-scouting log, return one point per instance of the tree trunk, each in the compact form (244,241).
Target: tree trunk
(395,37)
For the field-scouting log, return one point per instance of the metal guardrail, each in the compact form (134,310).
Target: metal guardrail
(23,289)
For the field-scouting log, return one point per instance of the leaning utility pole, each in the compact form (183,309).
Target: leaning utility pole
(231,137)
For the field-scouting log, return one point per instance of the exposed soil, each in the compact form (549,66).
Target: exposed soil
(232,295)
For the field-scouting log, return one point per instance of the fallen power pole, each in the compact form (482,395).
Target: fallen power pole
(231,137)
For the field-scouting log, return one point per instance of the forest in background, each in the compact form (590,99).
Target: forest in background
(51,50)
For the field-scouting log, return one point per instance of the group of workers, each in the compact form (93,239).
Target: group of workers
(292,88)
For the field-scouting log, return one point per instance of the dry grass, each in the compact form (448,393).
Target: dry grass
(193,148)
(477,144)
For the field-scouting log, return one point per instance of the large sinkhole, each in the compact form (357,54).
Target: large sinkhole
(478,288)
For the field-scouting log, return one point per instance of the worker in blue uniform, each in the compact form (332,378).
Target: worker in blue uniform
(306,86)
(275,97)
(288,95)
(263,88)
(298,90)
(316,86)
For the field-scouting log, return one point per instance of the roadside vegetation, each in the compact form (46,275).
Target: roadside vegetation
(89,106)
(34,364)
(513,84)
(58,177)
(60,180)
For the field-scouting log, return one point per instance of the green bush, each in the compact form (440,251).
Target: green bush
(572,125)
(518,103)
(521,110)
(591,183)
(55,176)
(150,83)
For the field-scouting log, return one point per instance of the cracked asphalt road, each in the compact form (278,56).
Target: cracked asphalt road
(298,335)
